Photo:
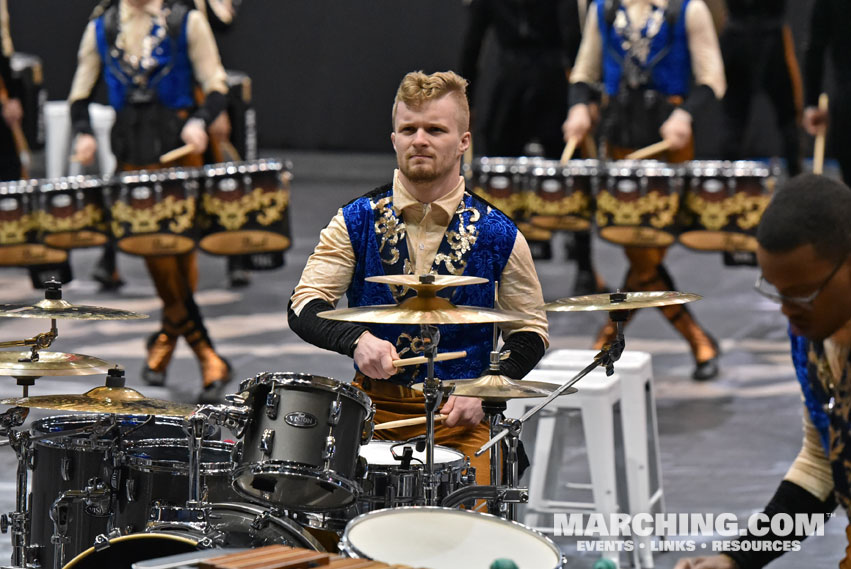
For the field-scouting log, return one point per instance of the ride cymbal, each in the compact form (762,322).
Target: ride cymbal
(121,400)
(18,364)
(495,387)
(422,310)
(620,301)
(62,309)
(426,282)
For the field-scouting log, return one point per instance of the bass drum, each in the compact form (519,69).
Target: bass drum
(232,525)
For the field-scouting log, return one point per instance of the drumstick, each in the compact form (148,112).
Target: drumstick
(177,153)
(569,149)
(422,359)
(408,422)
(648,151)
(818,148)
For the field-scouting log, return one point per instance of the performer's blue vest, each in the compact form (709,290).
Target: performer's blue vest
(477,242)
(670,75)
(170,78)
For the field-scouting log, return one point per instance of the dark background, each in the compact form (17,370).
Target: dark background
(325,72)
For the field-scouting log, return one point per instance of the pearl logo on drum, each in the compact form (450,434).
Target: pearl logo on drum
(301,420)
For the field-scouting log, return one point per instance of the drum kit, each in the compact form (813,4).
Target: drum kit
(232,208)
(705,205)
(125,477)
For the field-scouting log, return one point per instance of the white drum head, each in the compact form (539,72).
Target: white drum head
(443,538)
(378,453)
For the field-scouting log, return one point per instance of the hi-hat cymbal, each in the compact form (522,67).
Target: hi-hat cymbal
(122,400)
(628,301)
(62,309)
(433,282)
(422,310)
(17,364)
(495,387)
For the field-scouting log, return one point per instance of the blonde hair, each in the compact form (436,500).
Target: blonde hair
(417,88)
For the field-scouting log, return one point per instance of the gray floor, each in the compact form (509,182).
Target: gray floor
(724,444)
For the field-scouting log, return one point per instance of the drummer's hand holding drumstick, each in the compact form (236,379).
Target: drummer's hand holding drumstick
(85,146)
(676,130)
(578,122)
(374,356)
(13,112)
(464,411)
(814,120)
(195,133)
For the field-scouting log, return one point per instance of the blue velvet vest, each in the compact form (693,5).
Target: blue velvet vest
(477,242)
(669,75)
(168,76)
(828,401)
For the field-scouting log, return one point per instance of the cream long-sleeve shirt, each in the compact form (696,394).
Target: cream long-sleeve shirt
(329,269)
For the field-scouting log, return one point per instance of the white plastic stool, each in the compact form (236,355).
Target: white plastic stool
(632,386)
(57,137)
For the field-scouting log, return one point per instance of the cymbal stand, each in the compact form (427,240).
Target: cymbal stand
(38,342)
(433,397)
(17,522)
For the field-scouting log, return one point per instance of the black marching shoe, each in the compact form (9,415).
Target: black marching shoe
(709,369)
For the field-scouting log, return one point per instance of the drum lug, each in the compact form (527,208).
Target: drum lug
(236,452)
(272,401)
(130,490)
(65,468)
(334,413)
(330,448)
(101,542)
(266,441)
(368,431)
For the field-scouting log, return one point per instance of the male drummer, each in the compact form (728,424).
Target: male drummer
(424,221)
(151,52)
(645,52)
(805,256)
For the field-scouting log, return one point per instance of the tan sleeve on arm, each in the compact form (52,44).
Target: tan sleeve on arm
(706,62)
(204,54)
(811,469)
(589,59)
(329,269)
(88,66)
(520,290)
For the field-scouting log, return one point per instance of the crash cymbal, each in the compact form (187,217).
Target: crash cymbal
(62,309)
(18,364)
(628,301)
(122,400)
(426,282)
(495,387)
(422,310)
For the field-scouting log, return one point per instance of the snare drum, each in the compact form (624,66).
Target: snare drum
(72,213)
(244,208)
(158,470)
(300,447)
(153,213)
(71,462)
(638,201)
(442,538)
(723,204)
(501,182)
(19,226)
(561,196)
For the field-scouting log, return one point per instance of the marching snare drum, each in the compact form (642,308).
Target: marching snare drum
(300,446)
(158,470)
(244,208)
(72,213)
(442,538)
(723,204)
(637,202)
(561,196)
(153,213)
(19,227)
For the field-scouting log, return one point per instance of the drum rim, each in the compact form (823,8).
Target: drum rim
(245,167)
(147,465)
(138,535)
(89,444)
(328,384)
(154,176)
(351,486)
(346,546)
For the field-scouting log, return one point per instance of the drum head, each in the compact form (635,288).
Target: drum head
(380,453)
(442,538)
(128,549)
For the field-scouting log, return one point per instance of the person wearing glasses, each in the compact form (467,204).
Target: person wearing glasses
(804,245)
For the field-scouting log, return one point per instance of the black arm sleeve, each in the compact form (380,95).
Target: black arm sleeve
(329,334)
(527,349)
(788,499)
(815,52)
(81,122)
(214,103)
(699,98)
(13,86)
(580,93)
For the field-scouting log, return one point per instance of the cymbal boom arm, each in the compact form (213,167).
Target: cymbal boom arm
(38,342)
